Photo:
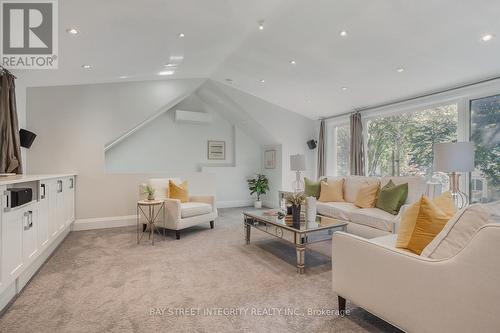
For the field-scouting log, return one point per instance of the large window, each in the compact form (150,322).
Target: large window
(401,144)
(485,133)
(338,156)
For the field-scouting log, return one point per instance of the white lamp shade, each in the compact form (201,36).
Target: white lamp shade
(454,157)
(297,162)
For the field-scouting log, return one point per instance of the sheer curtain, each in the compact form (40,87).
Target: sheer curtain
(357,156)
(10,149)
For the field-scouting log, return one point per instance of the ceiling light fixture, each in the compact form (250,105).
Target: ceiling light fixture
(487,37)
(343,33)
(86,66)
(72,31)
(262,81)
(293,62)
(166,73)
(261,24)
(344,88)
(181,35)
(400,70)
(123,77)
(169,65)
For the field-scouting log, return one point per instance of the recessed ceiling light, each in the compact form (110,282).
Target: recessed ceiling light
(123,77)
(262,81)
(487,37)
(261,24)
(293,62)
(166,73)
(181,35)
(86,66)
(344,88)
(343,33)
(72,31)
(400,70)
(169,65)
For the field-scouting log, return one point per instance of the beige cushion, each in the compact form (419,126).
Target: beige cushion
(189,209)
(457,232)
(332,191)
(374,217)
(338,210)
(161,186)
(416,186)
(353,184)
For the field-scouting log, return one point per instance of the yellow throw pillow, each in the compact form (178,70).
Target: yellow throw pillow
(420,223)
(367,196)
(446,203)
(332,191)
(178,191)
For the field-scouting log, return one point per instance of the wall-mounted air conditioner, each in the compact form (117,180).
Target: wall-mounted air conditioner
(192,117)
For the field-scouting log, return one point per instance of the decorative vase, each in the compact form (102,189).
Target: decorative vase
(151,196)
(257,204)
(310,209)
(296,214)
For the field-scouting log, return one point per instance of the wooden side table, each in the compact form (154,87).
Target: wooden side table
(151,217)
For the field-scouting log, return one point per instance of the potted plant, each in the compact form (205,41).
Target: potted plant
(258,185)
(296,200)
(150,191)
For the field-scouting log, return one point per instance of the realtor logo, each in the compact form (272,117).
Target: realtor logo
(29,34)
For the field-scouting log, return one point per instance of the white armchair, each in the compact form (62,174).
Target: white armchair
(182,215)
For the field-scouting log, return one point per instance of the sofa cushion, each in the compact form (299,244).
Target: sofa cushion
(332,191)
(416,186)
(160,185)
(373,217)
(420,223)
(189,209)
(338,210)
(392,197)
(178,191)
(353,184)
(457,232)
(367,195)
(312,188)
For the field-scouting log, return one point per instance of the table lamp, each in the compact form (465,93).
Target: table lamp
(454,157)
(298,164)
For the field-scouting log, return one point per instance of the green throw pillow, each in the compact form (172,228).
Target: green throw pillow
(312,188)
(392,197)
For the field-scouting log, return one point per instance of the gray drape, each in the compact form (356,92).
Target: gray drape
(10,149)
(321,150)
(357,156)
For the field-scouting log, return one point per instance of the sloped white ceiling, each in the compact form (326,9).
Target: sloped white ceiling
(437,42)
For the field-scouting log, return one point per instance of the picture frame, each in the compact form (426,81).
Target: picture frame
(216,150)
(270,159)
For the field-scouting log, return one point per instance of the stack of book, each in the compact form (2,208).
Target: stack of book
(289,219)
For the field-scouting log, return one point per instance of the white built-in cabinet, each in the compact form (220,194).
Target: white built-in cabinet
(30,233)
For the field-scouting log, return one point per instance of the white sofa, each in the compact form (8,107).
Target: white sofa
(370,222)
(181,215)
(419,294)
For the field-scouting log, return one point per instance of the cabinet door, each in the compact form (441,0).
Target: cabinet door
(60,211)
(12,244)
(53,225)
(30,243)
(43,215)
(69,200)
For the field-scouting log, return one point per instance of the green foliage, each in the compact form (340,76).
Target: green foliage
(148,190)
(258,185)
(402,144)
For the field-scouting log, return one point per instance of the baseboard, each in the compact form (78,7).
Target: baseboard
(234,203)
(104,222)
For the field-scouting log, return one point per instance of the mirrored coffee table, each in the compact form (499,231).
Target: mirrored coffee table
(300,235)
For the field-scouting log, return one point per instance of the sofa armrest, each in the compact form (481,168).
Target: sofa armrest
(397,219)
(407,290)
(172,212)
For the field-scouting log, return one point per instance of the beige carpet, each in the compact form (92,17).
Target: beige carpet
(102,281)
